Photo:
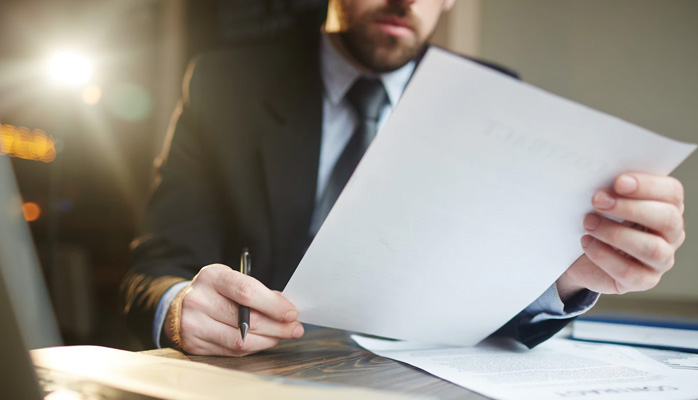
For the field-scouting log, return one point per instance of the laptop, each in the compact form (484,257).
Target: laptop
(27,319)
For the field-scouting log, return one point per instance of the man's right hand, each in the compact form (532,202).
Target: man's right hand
(207,322)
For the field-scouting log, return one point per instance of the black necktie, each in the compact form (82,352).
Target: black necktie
(368,97)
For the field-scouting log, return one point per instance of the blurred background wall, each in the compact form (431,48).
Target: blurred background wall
(83,153)
(635,59)
(83,150)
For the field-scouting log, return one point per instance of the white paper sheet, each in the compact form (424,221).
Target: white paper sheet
(467,206)
(558,369)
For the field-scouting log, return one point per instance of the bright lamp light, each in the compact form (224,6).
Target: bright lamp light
(70,68)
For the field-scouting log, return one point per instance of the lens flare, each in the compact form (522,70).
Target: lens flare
(70,68)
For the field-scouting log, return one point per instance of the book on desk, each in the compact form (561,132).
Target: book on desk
(639,330)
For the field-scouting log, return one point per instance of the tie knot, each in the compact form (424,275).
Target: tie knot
(368,97)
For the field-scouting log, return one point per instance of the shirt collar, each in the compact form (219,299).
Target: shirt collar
(338,74)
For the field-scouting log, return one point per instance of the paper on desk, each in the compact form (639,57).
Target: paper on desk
(164,378)
(467,206)
(557,369)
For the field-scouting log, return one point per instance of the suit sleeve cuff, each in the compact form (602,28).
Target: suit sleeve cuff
(163,307)
(549,305)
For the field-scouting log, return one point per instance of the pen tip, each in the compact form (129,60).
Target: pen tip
(244,327)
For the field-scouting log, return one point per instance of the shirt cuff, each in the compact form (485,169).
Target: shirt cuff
(550,306)
(163,307)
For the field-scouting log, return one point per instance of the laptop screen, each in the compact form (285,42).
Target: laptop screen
(20,269)
(25,310)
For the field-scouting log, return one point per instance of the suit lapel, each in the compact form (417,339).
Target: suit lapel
(291,134)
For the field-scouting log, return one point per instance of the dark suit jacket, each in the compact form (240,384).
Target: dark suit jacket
(239,168)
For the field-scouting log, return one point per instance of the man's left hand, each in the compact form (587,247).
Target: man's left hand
(629,256)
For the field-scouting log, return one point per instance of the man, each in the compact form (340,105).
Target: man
(265,138)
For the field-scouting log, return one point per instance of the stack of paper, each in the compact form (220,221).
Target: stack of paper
(558,369)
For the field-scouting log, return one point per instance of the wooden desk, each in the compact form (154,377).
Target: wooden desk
(325,356)
(330,356)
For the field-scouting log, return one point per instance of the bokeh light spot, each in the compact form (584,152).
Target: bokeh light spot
(31,211)
(128,101)
(91,94)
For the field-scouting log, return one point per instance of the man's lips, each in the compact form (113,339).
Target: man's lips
(394,26)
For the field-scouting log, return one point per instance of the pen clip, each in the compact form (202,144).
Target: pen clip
(245,262)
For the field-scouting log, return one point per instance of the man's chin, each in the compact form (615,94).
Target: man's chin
(383,53)
(390,59)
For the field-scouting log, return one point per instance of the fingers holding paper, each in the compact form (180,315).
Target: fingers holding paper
(633,255)
(207,322)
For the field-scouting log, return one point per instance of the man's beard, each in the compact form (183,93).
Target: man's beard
(377,50)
